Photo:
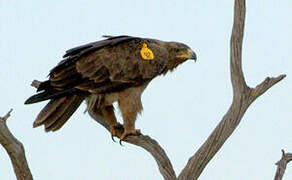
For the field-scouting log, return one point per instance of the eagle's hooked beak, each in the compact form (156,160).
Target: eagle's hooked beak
(188,54)
(192,55)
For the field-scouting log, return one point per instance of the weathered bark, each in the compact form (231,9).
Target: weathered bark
(15,150)
(282,163)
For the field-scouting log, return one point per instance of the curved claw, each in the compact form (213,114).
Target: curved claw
(121,142)
(113,130)
(113,139)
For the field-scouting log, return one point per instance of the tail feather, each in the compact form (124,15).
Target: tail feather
(56,113)
(67,114)
(62,108)
(49,109)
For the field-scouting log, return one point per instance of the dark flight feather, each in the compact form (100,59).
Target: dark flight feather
(51,95)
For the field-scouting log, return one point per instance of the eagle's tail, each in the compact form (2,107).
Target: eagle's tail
(56,113)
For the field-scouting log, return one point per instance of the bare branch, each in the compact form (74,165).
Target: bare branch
(15,150)
(238,83)
(243,96)
(282,163)
(265,85)
(6,116)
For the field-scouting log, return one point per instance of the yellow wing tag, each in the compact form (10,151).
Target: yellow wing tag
(146,53)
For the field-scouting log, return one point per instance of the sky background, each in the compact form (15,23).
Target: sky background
(180,109)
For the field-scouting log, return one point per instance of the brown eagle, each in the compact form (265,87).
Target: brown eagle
(117,68)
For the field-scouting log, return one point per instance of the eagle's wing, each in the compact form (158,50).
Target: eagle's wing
(105,66)
(121,66)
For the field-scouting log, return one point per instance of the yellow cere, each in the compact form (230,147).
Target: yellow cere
(146,53)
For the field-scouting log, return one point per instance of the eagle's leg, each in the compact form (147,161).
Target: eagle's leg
(109,115)
(130,108)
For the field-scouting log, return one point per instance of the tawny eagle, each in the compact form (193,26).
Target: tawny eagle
(117,68)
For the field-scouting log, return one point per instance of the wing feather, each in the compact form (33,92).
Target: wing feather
(123,63)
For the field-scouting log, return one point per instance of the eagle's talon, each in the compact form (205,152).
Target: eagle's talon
(127,133)
(121,142)
(114,130)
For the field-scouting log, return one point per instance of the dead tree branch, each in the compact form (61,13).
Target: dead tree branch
(243,96)
(282,163)
(15,150)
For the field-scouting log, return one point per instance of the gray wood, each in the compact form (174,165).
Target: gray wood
(15,150)
(281,165)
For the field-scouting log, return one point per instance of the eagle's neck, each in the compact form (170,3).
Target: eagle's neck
(172,65)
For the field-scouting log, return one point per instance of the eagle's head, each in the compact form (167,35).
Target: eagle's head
(178,53)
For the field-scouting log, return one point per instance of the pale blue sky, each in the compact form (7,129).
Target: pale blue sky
(35,34)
